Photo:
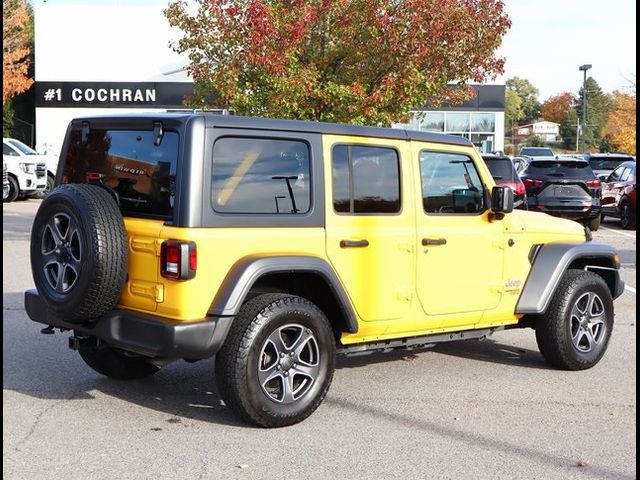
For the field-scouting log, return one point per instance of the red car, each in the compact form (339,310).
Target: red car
(619,194)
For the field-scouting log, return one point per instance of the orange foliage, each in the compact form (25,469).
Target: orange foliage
(556,108)
(15,49)
(620,128)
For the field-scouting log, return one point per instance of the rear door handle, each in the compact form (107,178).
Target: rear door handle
(354,243)
(434,241)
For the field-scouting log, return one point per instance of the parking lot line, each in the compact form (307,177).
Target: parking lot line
(626,234)
(631,289)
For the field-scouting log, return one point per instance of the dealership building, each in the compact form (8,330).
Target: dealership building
(106,57)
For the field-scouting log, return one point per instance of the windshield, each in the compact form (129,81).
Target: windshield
(22,147)
(536,152)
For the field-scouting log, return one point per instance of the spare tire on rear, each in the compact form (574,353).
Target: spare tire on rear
(79,252)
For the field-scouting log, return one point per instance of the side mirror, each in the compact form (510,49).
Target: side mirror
(602,177)
(501,201)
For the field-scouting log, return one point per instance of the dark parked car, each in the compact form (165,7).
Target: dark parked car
(619,194)
(533,152)
(603,164)
(564,187)
(504,173)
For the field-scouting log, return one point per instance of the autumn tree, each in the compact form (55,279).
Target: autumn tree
(620,129)
(598,106)
(16,48)
(528,95)
(556,108)
(353,61)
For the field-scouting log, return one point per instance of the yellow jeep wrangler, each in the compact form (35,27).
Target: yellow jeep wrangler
(275,245)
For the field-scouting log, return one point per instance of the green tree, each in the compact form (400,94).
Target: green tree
(7,119)
(569,129)
(598,108)
(353,61)
(529,96)
(513,111)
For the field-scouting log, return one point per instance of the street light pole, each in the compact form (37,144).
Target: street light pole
(584,69)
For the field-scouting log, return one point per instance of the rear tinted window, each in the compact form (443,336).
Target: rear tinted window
(501,169)
(141,173)
(536,152)
(560,168)
(608,163)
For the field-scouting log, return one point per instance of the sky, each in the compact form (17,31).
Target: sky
(550,39)
(547,42)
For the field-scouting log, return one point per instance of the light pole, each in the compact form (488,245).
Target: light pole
(584,68)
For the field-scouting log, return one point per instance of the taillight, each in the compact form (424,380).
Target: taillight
(517,187)
(530,182)
(594,183)
(178,260)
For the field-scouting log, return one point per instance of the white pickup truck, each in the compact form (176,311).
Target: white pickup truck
(27,171)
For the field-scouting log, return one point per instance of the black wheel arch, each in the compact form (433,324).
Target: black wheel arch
(552,260)
(309,277)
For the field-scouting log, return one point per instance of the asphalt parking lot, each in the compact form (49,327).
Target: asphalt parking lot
(482,410)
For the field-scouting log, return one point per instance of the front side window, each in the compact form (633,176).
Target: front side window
(261,176)
(626,174)
(450,184)
(615,175)
(366,180)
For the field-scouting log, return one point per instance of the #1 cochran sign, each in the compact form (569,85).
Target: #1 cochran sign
(112,94)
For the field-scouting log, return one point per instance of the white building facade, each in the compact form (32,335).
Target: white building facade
(99,58)
(480,119)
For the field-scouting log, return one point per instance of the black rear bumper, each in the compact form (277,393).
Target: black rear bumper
(144,334)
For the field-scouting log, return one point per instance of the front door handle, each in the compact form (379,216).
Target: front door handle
(354,243)
(433,241)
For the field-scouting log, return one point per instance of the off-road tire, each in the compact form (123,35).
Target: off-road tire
(14,190)
(79,251)
(554,327)
(237,363)
(114,363)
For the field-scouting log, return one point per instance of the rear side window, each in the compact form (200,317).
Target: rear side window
(502,170)
(575,169)
(366,180)
(261,176)
(127,161)
(608,163)
(450,184)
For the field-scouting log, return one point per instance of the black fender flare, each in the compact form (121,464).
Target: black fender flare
(247,271)
(552,261)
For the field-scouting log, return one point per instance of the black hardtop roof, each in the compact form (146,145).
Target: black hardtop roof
(217,120)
